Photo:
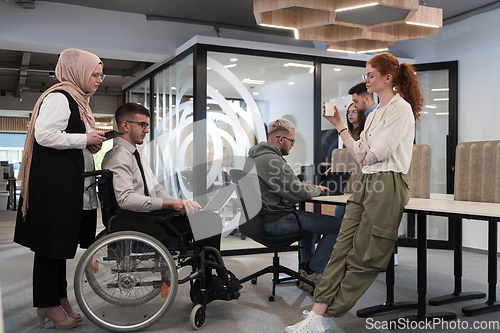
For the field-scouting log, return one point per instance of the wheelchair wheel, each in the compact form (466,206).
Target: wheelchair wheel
(125,281)
(198,316)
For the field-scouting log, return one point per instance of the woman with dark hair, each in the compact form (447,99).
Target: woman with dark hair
(373,213)
(355,122)
(58,207)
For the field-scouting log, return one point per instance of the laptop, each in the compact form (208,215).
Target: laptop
(220,198)
(336,182)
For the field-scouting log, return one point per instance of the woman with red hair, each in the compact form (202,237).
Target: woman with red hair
(373,213)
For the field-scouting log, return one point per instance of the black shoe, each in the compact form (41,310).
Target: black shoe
(225,292)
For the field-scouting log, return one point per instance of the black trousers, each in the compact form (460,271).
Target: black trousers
(49,281)
(181,223)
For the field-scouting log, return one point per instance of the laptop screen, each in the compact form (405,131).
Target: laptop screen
(336,181)
(220,198)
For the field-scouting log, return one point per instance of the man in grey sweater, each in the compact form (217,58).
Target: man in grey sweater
(281,190)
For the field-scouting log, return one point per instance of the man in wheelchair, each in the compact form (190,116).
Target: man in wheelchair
(145,206)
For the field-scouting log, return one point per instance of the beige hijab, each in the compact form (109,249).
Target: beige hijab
(73,70)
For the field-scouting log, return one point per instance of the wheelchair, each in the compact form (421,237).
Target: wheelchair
(127,279)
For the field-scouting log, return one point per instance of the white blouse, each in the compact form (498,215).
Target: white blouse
(387,139)
(51,122)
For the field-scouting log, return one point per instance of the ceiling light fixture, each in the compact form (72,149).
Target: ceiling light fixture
(337,69)
(294,64)
(440,89)
(431,106)
(230,65)
(441,99)
(424,25)
(295,33)
(373,51)
(343,51)
(250,81)
(327,21)
(233,59)
(357,7)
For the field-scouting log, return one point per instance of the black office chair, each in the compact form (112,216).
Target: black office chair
(254,228)
(227,179)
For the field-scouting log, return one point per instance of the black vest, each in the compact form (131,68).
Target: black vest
(54,220)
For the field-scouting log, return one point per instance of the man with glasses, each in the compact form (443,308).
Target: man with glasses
(363,101)
(281,190)
(135,185)
(137,189)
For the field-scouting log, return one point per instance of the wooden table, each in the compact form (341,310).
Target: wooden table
(449,208)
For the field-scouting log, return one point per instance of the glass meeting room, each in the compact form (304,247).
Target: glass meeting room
(210,104)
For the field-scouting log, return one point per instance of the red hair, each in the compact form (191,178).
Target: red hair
(405,79)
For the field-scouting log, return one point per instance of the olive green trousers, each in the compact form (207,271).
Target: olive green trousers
(366,240)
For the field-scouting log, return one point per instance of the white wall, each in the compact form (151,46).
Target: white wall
(475,43)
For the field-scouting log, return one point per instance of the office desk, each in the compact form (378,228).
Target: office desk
(456,209)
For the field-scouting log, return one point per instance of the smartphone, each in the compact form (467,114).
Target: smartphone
(112,134)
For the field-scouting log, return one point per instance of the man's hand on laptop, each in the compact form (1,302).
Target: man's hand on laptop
(187,207)
(324,188)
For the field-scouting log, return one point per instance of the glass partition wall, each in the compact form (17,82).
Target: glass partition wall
(171,146)
(336,80)
(141,94)
(437,127)
(210,104)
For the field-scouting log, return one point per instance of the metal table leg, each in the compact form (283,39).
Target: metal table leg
(422,314)
(390,304)
(457,295)
(491,304)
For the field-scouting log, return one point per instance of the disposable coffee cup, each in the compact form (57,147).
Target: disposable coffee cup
(329,109)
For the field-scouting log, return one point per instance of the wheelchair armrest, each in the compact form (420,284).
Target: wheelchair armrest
(95,173)
(161,212)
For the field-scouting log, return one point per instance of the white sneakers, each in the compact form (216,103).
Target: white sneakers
(313,323)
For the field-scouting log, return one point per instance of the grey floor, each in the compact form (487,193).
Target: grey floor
(253,312)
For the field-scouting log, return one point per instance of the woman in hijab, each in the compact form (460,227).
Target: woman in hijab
(57,208)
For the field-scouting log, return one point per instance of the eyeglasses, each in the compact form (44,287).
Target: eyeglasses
(143,124)
(99,77)
(367,77)
(352,112)
(284,137)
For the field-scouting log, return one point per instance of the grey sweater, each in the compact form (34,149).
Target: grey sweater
(280,188)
